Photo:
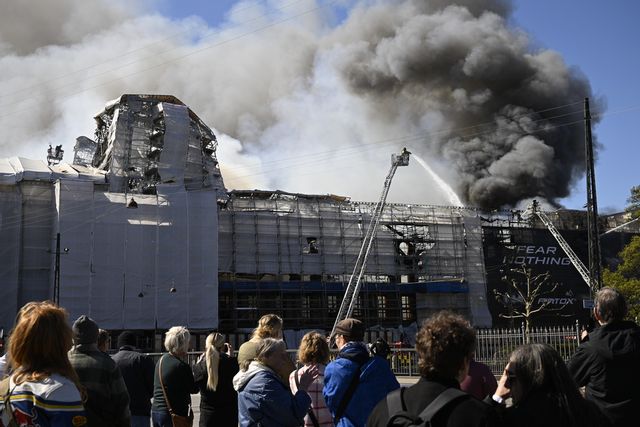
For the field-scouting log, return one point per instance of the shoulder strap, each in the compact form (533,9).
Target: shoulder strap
(348,394)
(311,414)
(164,392)
(6,397)
(443,399)
(395,401)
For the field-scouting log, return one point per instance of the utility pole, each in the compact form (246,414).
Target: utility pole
(56,273)
(592,207)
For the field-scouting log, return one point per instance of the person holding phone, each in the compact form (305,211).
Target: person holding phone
(213,375)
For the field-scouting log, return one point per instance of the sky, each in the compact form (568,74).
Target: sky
(263,75)
(599,40)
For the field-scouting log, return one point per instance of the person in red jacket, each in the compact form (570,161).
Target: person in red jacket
(480,381)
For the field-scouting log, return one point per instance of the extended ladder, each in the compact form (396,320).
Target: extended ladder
(563,244)
(353,288)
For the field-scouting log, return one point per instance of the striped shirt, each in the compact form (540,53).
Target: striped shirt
(317,399)
(52,402)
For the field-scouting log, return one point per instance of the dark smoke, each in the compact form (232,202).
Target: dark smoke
(480,76)
(303,105)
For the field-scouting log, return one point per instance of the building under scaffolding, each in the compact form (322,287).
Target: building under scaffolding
(294,253)
(151,238)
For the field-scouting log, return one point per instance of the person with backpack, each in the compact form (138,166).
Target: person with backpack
(445,345)
(355,382)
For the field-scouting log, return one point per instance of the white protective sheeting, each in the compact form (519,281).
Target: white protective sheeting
(174,152)
(30,169)
(38,242)
(91,173)
(10,227)
(124,261)
(7,173)
(63,170)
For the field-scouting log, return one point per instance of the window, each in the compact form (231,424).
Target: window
(312,246)
(332,302)
(358,313)
(306,306)
(407,308)
(382,305)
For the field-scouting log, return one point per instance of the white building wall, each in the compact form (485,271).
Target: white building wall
(122,262)
(10,230)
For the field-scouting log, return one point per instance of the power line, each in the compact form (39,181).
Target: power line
(158,65)
(141,48)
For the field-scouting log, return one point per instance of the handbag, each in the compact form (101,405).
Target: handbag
(176,420)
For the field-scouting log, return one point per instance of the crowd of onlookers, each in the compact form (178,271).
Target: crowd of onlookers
(57,375)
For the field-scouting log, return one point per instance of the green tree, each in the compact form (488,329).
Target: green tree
(626,278)
(634,202)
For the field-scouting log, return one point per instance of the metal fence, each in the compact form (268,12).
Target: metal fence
(493,348)
(495,345)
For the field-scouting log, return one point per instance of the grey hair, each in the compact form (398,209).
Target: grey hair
(267,347)
(610,305)
(177,339)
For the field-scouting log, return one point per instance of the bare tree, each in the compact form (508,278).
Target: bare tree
(524,295)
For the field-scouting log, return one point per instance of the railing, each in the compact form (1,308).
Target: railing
(493,347)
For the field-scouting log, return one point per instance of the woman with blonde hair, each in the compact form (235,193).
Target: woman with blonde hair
(313,352)
(269,326)
(173,380)
(43,387)
(213,375)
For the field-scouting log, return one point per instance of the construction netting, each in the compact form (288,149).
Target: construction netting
(142,262)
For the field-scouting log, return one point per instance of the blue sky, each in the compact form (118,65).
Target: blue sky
(601,40)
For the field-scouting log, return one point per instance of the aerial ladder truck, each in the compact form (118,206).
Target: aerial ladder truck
(577,263)
(355,281)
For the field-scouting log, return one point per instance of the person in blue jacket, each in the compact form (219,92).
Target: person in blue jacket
(355,382)
(263,398)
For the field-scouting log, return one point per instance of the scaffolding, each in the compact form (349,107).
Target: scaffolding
(295,253)
(242,252)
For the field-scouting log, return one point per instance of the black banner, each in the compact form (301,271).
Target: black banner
(565,294)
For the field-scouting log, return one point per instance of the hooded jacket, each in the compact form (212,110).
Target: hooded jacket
(263,399)
(609,366)
(376,381)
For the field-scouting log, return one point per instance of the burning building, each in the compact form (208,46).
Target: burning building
(140,232)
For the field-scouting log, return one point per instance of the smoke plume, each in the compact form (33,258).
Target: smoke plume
(303,102)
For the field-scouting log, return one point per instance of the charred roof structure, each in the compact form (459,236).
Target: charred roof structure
(145,140)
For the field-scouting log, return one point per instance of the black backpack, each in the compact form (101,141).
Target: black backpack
(398,417)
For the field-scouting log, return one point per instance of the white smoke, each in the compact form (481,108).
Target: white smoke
(302,105)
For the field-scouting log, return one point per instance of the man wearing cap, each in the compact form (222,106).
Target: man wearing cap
(137,370)
(355,382)
(107,401)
